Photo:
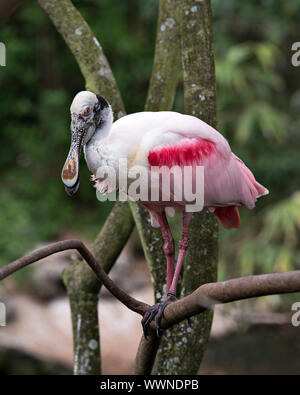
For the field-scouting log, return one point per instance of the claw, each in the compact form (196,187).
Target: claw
(148,317)
(170,299)
(156,311)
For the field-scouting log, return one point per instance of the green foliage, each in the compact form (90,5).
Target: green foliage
(256,86)
(276,247)
(282,221)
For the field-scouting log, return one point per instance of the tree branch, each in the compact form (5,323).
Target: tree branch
(210,294)
(127,300)
(146,353)
(86,49)
(166,65)
(203,298)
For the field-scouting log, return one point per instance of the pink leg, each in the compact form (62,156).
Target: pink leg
(183,246)
(169,249)
(172,278)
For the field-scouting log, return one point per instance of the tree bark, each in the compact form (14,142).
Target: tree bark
(203,298)
(83,289)
(86,49)
(160,97)
(183,349)
(200,100)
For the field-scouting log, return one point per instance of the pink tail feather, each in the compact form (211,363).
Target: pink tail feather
(229,217)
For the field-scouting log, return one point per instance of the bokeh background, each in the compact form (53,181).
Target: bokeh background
(258,94)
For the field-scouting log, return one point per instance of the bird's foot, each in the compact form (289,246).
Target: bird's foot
(156,311)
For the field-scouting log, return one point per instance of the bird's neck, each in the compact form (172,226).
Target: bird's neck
(103,129)
(97,151)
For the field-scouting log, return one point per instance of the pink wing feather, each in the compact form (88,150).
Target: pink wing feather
(228,182)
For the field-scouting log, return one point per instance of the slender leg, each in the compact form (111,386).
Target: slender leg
(183,246)
(169,248)
(172,277)
(169,251)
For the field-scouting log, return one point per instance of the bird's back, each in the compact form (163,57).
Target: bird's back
(147,130)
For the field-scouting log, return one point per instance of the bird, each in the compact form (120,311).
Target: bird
(160,140)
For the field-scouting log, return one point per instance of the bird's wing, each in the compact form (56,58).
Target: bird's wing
(171,146)
(180,139)
(227,180)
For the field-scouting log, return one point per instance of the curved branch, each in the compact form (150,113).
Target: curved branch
(127,300)
(210,294)
(203,298)
(86,49)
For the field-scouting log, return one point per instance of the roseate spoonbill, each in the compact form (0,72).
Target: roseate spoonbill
(160,139)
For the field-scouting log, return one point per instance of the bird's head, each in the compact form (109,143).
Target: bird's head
(88,112)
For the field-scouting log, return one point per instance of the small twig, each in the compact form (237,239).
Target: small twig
(127,300)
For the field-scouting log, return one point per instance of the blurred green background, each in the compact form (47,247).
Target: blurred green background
(258,93)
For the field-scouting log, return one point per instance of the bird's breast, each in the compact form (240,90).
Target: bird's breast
(97,156)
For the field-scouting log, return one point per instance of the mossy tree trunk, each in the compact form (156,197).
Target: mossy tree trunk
(182,347)
(160,97)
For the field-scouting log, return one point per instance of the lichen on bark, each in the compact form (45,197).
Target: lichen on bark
(182,349)
(86,49)
(161,93)
(166,68)
(160,97)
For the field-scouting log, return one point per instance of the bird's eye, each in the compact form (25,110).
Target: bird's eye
(87,111)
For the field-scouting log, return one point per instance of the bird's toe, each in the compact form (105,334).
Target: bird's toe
(156,311)
(170,299)
(148,317)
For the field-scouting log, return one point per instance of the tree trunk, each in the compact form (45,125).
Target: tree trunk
(182,347)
